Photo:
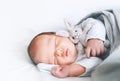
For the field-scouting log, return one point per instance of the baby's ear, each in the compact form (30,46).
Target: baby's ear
(68,24)
(62,33)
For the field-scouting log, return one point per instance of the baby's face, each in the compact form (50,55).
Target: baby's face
(54,49)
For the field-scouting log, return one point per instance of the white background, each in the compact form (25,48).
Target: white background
(48,12)
(21,20)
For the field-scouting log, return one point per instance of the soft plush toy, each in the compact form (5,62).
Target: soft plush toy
(76,34)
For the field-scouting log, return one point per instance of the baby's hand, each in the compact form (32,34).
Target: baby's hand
(94,47)
(59,71)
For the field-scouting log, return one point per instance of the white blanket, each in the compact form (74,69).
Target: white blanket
(21,20)
(109,70)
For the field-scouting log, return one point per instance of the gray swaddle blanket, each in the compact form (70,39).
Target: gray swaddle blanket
(109,69)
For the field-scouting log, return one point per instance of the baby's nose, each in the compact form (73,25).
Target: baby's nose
(59,52)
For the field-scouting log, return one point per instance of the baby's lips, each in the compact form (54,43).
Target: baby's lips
(67,52)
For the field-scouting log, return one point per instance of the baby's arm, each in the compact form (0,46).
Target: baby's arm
(68,70)
(82,67)
(95,37)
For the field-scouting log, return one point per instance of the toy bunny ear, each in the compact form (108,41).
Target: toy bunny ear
(62,33)
(68,24)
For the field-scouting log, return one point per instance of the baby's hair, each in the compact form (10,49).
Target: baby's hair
(30,45)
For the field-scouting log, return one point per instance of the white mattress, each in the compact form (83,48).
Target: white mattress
(21,20)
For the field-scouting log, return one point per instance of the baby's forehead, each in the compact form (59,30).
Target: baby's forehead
(41,38)
(43,47)
(44,41)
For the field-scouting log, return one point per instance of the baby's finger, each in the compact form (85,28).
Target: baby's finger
(59,69)
(102,50)
(55,70)
(93,52)
(98,52)
(87,50)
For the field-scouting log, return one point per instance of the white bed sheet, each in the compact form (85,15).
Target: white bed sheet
(21,20)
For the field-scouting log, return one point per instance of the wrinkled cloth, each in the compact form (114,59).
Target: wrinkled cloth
(109,69)
(43,67)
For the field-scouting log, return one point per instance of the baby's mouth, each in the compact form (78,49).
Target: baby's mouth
(67,52)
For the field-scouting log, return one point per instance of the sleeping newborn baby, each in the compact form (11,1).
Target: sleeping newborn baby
(58,54)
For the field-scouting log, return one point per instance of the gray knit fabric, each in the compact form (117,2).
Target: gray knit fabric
(109,69)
